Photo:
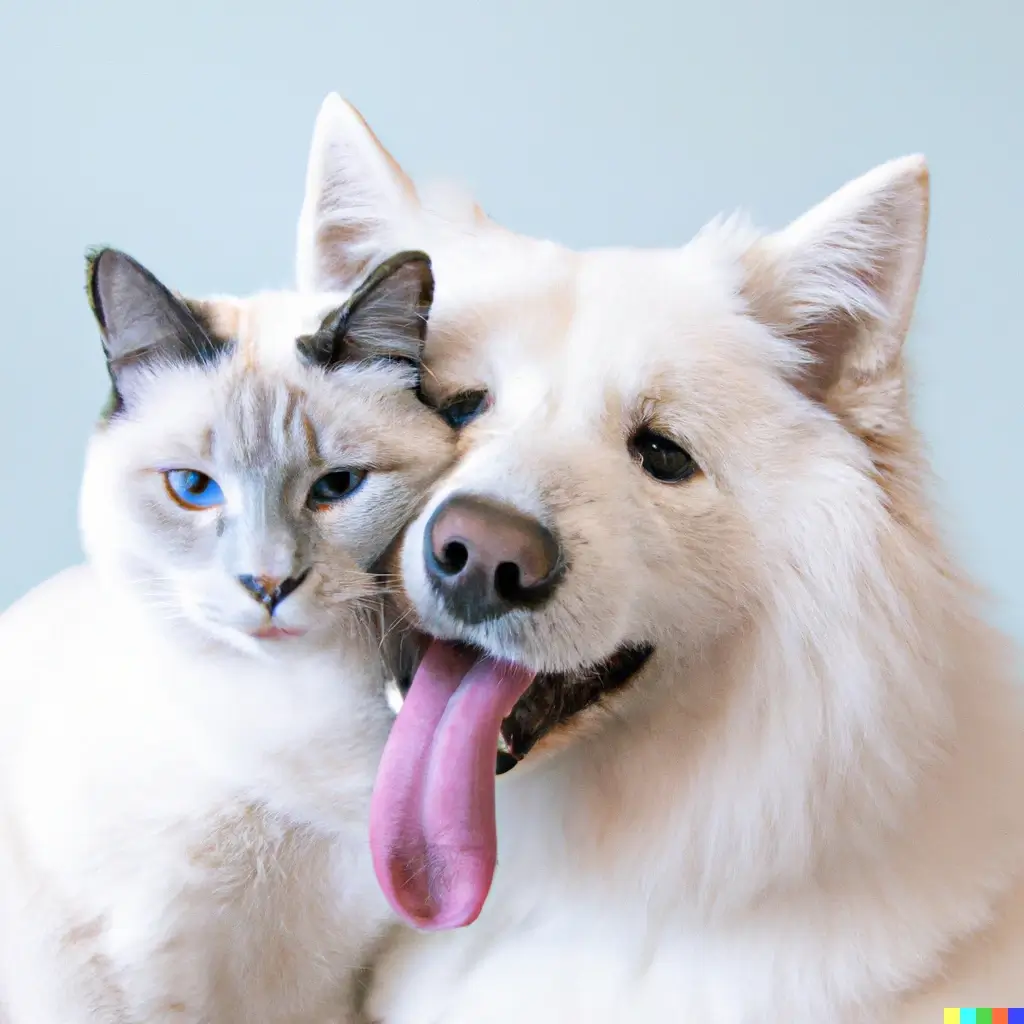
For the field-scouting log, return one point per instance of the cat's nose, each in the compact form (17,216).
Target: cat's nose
(270,592)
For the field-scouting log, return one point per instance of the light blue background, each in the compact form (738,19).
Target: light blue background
(179,132)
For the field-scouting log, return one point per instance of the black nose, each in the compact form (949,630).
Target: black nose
(269,591)
(485,558)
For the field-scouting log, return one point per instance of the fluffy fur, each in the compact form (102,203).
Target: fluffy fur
(807,806)
(183,802)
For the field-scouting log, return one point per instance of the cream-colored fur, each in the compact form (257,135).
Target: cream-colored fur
(807,807)
(183,808)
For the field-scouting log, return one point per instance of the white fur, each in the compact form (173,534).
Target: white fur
(183,808)
(808,806)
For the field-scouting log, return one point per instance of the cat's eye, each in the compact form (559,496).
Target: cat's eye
(662,458)
(464,407)
(335,486)
(193,490)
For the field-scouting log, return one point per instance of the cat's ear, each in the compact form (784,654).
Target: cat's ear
(841,282)
(142,323)
(384,319)
(356,198)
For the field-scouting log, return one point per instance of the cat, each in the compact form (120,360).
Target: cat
(190,722)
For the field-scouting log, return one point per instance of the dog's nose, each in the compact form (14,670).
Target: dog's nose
(271,592)
(485,558)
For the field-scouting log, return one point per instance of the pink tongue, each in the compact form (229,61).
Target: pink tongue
(432,831)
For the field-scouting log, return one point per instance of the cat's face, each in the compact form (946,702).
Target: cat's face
(260,454)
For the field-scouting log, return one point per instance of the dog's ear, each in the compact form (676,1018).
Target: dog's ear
(356,198)
(841,280)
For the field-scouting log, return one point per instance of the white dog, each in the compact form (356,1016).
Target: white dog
(771,757)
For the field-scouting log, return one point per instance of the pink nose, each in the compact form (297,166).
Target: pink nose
(485,558)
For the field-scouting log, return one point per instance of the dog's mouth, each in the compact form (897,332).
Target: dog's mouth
(552,701)
(432,821)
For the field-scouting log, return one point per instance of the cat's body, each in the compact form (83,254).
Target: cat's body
(184,836)
(190,725)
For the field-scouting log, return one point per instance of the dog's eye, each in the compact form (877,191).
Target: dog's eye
(462,408)
(661,458)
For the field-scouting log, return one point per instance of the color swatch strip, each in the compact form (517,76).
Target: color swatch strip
(983,1015)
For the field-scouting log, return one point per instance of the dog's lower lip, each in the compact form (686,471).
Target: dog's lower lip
(556,697)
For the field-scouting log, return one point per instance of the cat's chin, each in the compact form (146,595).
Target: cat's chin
(267,640)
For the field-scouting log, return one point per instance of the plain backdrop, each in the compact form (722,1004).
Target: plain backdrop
(179,132)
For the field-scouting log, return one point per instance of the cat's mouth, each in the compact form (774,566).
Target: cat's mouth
(552,700)
(272,632)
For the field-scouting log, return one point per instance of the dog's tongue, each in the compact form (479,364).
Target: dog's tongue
(432,830)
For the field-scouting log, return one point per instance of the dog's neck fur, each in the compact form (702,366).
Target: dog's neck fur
(915,808)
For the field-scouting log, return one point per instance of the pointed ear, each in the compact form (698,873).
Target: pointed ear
(141,322)
(355,193)
(841,280)
(385,319)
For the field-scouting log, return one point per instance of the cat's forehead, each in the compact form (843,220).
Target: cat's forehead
(264,421)
(261,408)
(263,329)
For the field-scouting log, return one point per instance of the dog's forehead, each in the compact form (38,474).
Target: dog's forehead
(501,314)
(640,306)
(616,320)
(586,335)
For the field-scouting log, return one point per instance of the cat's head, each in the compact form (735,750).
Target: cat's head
(258,455)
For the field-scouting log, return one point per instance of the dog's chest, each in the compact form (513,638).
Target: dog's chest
(602,974)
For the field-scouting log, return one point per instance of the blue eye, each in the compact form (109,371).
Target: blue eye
(193,490)
(334,487)
(462,408)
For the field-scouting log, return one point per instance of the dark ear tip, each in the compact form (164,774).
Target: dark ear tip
(103,256)
(414,259)
(101,259)
(416,256)
(420,262)
(101,263)
(95,257)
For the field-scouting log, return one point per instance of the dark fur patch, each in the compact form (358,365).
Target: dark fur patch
(200,313)
(384,319)
(142,322)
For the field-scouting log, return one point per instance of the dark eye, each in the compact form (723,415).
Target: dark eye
(193,490)
(461,409)
(661,458)
(334,487)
